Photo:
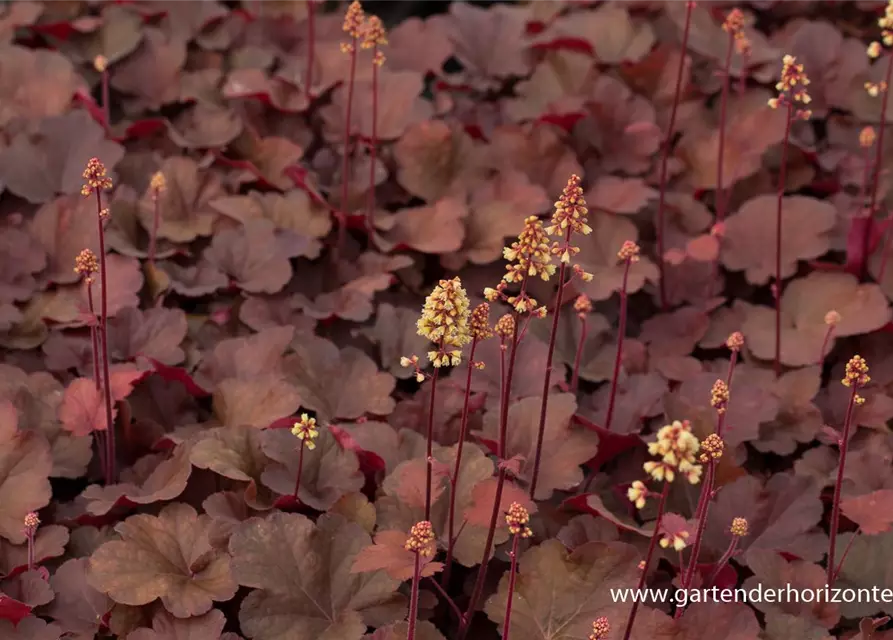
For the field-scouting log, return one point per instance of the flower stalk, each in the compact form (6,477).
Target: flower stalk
(306,431)
(311,48)
(101,64)
(96,181)
(665,159)
(157,186)
(374,37)
(353,26)
(583,307)
(516,519)
(628,254)
(855,377)
(422,542)
(832,318)
(792,94)
(738,529)
(31,524)
(569,218)
(86,265)
(480,330)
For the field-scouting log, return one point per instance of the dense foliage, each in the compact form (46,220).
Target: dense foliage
(318,324)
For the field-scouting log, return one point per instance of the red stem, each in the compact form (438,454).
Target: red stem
(835,508)
(463,433)
(863,194)
(825,343)
(651,546)
(156,216)
(103,332)
(429,470)
(618,357)
(106,115)
(345,165)
(311,45)
(704,510)
(781,184)
(30,548)
(547,378)
(575,376)
(845,553)
(94,344)
(877,163)
(446,596)
(370,198)
(723,561)
(665,158)
(500,478)
(506,624)
(414,598)
(300,470)
(723,110)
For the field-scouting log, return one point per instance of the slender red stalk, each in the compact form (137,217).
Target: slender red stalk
(720,160)
(648,556)
(300,470)
(578,357)
(156,217)
(845,553)
(867,212)
(463,433)
(106,109)
(618,356)
(311,49)
(500,478)
(825,341)
(103,332)
(781,184)
(345,165)
(665,158)
(414,597)
(547,378)
(373,144)
(723,561)
(453,606)
(707,491)
(835,506)
(97,380)
(429,456)
(513,555)
(878,162)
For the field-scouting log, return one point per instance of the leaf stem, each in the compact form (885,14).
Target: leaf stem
(513,555)
(618,356)
(665,159)
(455,608)
(835,506)
(845,553)
(463,433)
(778,226)
(547,377)
(648,556)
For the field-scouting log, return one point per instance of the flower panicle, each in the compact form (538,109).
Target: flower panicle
(479,324)
(517,519)
(719,396)
(306,431)
(583,305)
(86,264)
(792,88)
(629,252)
(734,24)
(529,255)
(735,341)
(31,522)
(637,494)
(677,447)
(885,22)
(739,527)
(712,448)
(95,178)
(856,373)
(445,322)
(422,540)
(600,628)
(354,20)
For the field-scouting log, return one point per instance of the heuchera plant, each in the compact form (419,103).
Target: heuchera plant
(444,321)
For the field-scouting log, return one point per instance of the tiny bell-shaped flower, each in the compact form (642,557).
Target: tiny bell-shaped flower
(600,629)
